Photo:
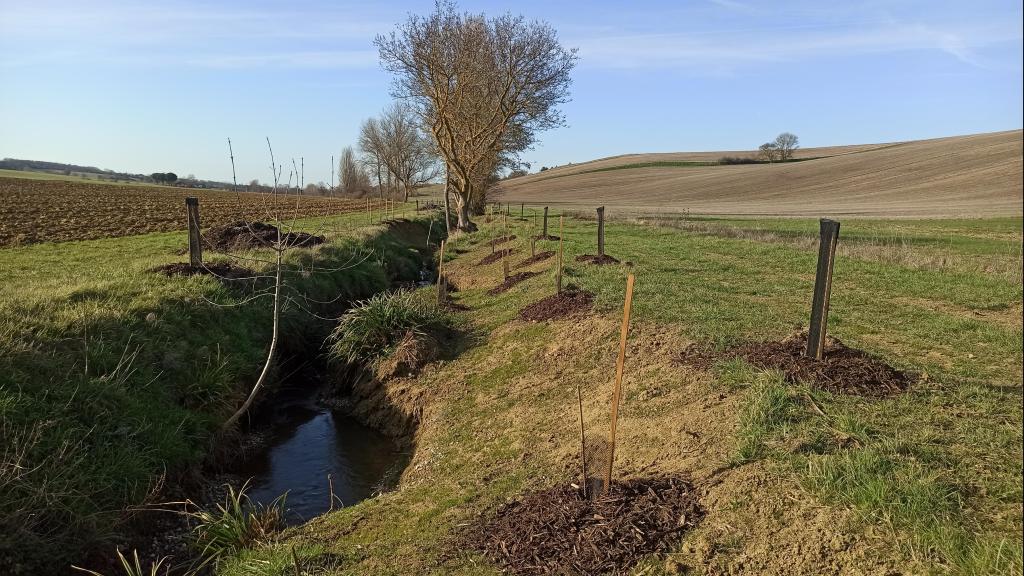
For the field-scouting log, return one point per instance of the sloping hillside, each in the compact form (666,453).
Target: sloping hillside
(977,175)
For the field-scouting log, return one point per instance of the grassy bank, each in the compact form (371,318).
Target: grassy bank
(793,479)
(112,376)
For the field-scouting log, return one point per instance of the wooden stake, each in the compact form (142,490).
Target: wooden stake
(558,276)
(504,265)
(600,232)
(583,440)
(617,393)
(544,234)
(440,277)
(330,491)
(822,288)
(195,239)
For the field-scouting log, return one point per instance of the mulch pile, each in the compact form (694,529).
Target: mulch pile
(511,281)
(842,369)
(548,237)
(502,240)
(495,256)
(242,235)
(559,531)
(558,306)
(539,257)
(594,259)
(219,269)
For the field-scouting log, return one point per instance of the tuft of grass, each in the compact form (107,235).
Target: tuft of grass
(768,410)
(373,328)
(235,525)
(133,567)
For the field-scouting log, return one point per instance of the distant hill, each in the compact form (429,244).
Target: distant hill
(977,175)
(61,171)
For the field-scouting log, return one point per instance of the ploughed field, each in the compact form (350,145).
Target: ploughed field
(961,176)
(36,211)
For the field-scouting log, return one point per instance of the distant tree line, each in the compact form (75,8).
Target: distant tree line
(164,177)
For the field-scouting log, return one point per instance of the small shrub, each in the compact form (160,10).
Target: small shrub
(235,525)
(373,329)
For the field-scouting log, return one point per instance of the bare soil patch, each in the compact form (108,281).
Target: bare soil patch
(842,369)
(502,240)
(558,306)
(598,260)
(559,531)
(538,257)
(511,281)
(243,235)
(548,237)
(495,256)
(219,269)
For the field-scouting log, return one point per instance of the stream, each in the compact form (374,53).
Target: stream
(305,444)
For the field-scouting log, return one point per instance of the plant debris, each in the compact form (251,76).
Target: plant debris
(495,256)
(842,369)
(242,235)
(560,531)
(539,257)
(511,281)
(598,260)
(558,306)
(224,270)
(502,240)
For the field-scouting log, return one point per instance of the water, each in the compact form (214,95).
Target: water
(305,444)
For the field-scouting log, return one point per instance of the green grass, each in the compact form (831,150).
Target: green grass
(112,374)
(936,471)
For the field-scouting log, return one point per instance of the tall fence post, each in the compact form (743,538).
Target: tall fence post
(544,234)
(522,210)
(600,232)
(822,288)
(195,239)
(617,392)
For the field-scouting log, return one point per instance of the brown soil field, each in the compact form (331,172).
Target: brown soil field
(977,175)
(34,211)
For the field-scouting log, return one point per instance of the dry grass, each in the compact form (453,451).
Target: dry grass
(978,175)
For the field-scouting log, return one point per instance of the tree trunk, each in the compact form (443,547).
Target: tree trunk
(462,208)
(447,206)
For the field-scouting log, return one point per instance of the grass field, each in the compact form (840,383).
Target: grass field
(978,175)
(112,375)
(57,211)
(794,480)
(73,177)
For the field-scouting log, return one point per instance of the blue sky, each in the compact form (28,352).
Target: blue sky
(159,86)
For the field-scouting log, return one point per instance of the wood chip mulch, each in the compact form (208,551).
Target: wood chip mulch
(502,240)
(223,270)
(598,260)
(842,369)
(559,531)
(538,257)
(511,281)
(558,306)
(495,256)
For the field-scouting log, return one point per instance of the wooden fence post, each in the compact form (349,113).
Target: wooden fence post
(600,232)
(558,277)
(195,239)
(522,210)
(822,288)
(544,234)
(617,392)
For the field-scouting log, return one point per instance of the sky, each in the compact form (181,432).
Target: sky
(160,86)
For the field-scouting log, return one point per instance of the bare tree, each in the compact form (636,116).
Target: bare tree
(408,153)
(351,175)
(786,143)
(768,151)
(374,149)
(482,87)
